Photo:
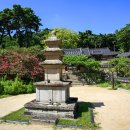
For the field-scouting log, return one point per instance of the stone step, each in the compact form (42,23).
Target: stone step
(73,76)
(74,81)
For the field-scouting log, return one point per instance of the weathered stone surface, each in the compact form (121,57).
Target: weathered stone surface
(52,95)
(51,62)
(56,106)
(53,49)
(52,83)
(40,110)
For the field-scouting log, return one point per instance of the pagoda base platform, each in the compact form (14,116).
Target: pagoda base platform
(49,113)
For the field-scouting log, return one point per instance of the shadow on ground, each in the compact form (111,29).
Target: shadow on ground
(84,106)
(97,104)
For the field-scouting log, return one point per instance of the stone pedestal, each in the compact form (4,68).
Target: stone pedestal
(52,95)
(50,112)
(53,92)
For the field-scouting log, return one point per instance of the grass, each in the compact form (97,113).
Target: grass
(17,115)
(83,117)
(127,86)
(4,96)
(104,85)
(107,85)
(117,85)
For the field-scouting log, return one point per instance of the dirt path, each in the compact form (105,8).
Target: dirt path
(9,126)
(112,108)
(10,104)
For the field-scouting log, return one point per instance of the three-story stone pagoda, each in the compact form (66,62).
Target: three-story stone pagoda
(52,95)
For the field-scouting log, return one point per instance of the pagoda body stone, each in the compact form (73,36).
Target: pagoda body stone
(52,95)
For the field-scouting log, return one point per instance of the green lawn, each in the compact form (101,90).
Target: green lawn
(83,117)
(17,115)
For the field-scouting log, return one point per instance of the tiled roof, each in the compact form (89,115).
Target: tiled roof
(102,51)
(77,51)
(89,52)
(125,54)
(85,51)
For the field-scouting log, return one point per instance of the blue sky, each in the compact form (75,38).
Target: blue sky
(100,16)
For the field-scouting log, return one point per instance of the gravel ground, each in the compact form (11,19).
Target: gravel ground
(112,108)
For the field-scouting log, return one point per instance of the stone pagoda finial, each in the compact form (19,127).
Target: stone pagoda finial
(53,33)
(52,37)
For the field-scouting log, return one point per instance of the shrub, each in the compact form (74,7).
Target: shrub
(127,86)
(83,60)
(104,85)
(93,77)
(21,63)
(121,66)
(7,87)
(30,88)
(119,86)
(16,87)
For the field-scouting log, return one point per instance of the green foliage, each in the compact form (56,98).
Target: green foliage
(81,60)
(104,85)
(16,87)
(21,22)
(120,86)
(8,87)
(24,62)
(74,59)
(83,117)
(123,38)
(30,88)
(9,43)
(17,116)
(1,88)
(117,85)
(124,86)
(92,73)
(4,96)
(88,39)
(127,86)
(69,39)
(93,77)
(121,66)
(85,39)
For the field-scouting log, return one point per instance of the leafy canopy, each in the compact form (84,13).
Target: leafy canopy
(123,38)
(121,66)
(69,38)
(20,23)
(81,60)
